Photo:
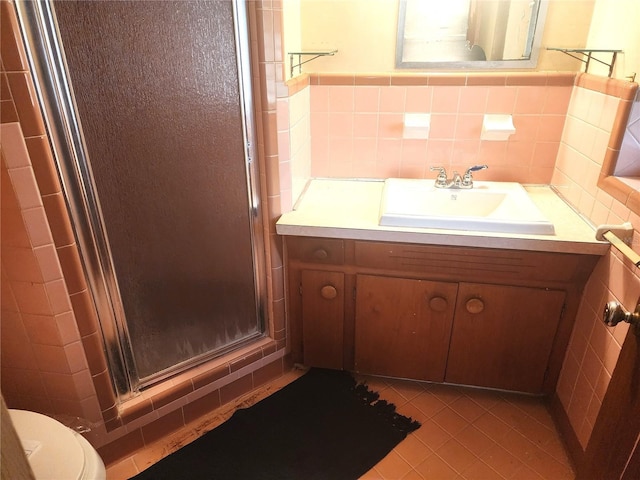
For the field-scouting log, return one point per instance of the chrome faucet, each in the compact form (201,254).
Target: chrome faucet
(458,181)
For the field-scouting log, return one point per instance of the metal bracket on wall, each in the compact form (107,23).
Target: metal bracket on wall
(325,53)
(588,53)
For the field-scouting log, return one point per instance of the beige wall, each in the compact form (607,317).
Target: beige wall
(291,32)
(364,32)
(615,25)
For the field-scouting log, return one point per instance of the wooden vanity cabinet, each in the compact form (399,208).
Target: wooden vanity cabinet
(474,316)
(323,313)
(403,326)
(502,336)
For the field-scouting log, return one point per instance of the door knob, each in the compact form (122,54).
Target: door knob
(615,313)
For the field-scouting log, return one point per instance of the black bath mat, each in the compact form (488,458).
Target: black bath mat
(321,426)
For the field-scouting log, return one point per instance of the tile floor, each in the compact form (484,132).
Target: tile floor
(466,433)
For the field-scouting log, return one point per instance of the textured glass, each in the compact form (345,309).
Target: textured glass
(157,89)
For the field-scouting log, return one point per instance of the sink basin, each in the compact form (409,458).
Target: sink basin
(503,207)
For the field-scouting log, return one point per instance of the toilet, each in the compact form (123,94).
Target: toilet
(55,451)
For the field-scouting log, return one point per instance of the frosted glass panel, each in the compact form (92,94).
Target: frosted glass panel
(157,90)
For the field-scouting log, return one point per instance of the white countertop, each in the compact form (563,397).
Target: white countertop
(350,209)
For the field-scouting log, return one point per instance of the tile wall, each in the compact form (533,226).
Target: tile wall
(594,348)
(53,358)
(356,125)
(44,365)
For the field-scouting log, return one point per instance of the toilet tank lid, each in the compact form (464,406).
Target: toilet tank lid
(52,449)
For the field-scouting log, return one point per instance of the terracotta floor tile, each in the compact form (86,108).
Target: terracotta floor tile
(466,433)
(372,475)
(412,475)
(474,440)
(526,473)
(450,421)
(536,432)
(467,408)
(456,456)
(492,426)
(413,450)
(408,389)
(501,461)
(391,395)
(556,449)
(393,466)
(548,467)
(432,435)
(429,404)
(485,398)
(446,393)
(480,471)
(123,470)
(518,446)
(410,410)
(435,468)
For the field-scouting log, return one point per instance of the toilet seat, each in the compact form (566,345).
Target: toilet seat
(55,451)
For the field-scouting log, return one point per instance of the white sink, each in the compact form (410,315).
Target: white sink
(503,207)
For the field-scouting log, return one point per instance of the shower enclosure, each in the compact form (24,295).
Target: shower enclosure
(149,109)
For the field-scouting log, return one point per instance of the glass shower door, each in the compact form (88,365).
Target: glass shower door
(158,91)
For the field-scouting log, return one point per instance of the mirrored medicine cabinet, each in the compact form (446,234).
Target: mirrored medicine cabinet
(477,34)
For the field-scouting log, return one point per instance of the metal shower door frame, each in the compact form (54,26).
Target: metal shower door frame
(48,66)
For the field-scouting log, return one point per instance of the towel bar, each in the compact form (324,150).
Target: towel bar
(609,232)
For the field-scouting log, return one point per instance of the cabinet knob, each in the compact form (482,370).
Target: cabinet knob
(328,292)
(475,305)
(438,304)
(320,254)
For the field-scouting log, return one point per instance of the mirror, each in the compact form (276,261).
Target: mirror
(475,34)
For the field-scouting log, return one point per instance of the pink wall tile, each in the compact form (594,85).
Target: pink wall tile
(465,153)
(544,154)
(365,125)
(390,125)
(492,153)
(473,100)
(550,130)
(468,126)
(593,346)
(341,124)
(14,147)
(392,99)
(443,126)
(456,122)
(446,99)
(530,100)
(557,100)
(320,99)
(501,99)
(419,99)
(526,127)
(366,99)
(26,187)
(341,99)
(439,152)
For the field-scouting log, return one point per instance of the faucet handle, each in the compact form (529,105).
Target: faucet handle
(441,179)
(467,180)
(475,168)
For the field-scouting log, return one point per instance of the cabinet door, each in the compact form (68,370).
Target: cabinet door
(502,336)
(403,326)
(322,318)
